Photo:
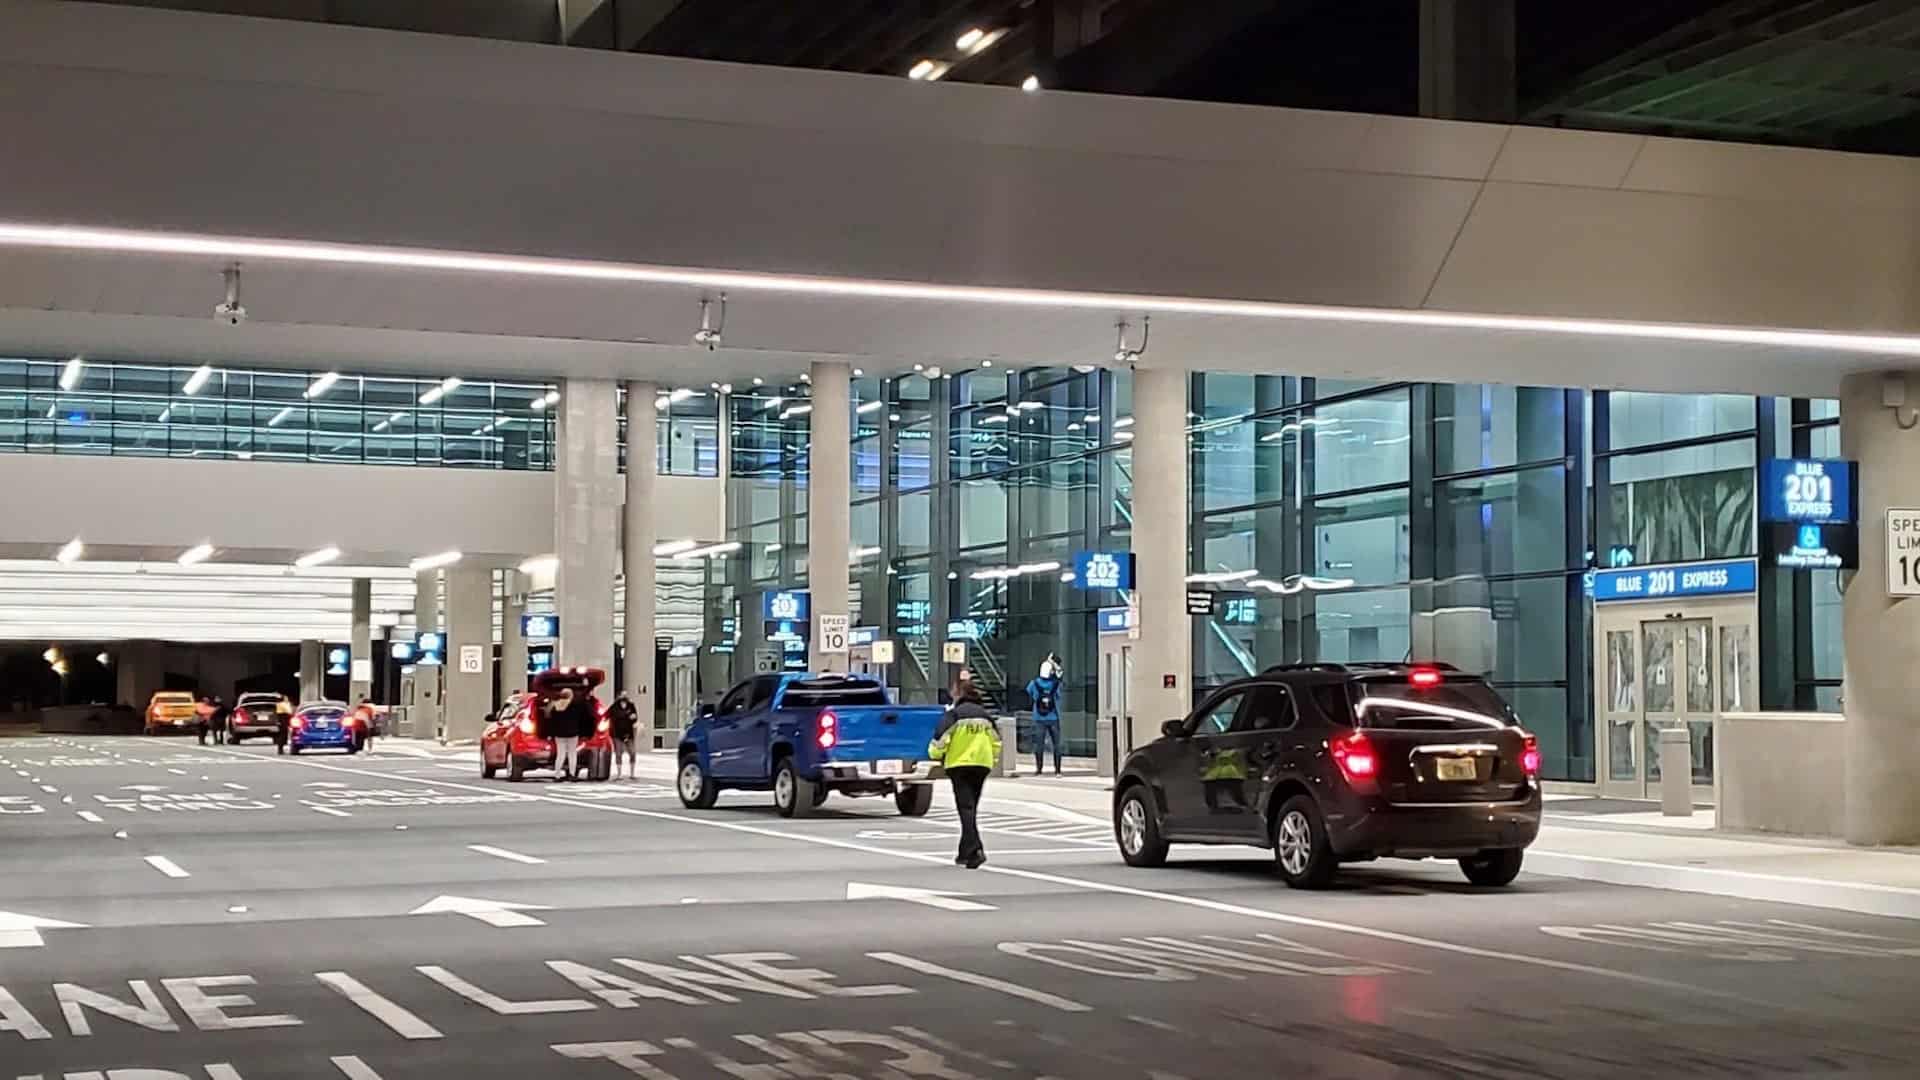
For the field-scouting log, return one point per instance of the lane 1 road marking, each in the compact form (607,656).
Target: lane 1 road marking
(166,866)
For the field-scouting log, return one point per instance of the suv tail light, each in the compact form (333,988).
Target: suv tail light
(826,729)
(1425,678)
(1358,763)
(1530,757)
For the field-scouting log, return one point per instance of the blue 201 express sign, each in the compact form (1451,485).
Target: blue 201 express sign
(1807,490)
(1722,578)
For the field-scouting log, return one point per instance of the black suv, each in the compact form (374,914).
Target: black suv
(1332,763)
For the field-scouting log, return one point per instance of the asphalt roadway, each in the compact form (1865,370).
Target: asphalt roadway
(240,915)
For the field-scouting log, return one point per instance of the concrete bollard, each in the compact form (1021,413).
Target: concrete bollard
(1009,745)
(1676,771)
(1106,750)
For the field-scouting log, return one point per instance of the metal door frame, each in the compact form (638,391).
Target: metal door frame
(1723,615)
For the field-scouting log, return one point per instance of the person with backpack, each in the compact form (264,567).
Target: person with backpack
(1044,693)
(625,718)
(967,744)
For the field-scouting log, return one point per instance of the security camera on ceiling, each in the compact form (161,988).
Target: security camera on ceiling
(708,336)
(230,312)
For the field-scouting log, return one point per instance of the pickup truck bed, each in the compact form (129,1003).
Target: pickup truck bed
(803,737)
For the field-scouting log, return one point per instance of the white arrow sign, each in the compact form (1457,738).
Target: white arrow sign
(19,931)
(860,890)
(144,787)
(492,912)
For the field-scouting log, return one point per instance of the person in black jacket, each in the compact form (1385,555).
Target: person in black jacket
(562,723)
(625,718)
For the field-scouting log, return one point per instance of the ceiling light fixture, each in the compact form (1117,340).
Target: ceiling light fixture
(321,385)
(197,380)
(871,406)
(137,242)
(675,547)
(317,558)
(928,70)
(540,564)
(166,414)
(195,555)
(280,417)
(1030,84)
(757,380)
(70,552)
(434,562)
(70,375)
(440,390)
(710,551)
(969,39)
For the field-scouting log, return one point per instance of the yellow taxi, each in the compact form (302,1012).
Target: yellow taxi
(171,710)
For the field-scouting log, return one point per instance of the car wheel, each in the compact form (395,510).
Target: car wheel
(488,771)
(1137,828)
(914,800)
(696,788)
(294,750)
(1301,849)
(792,793)
(1493,868)
(516,769)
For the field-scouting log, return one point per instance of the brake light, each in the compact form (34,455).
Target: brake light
(827,729)
(1354,754)
(299,721)
(1425,678)
(1530,756)
(603,726)
(526,725)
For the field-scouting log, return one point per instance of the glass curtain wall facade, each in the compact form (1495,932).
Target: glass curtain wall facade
(1337,521)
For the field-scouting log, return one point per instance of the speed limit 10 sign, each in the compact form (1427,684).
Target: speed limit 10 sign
(833,634)
(1903,552)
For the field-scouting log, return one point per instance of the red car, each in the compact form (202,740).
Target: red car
(516,742)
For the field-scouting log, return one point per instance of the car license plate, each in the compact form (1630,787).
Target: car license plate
(1456,768)
(889,768)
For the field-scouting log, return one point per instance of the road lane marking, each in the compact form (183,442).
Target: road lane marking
(49,789)
(329,811)
(1092,885)
(166,866)
(19,931)
(353,1068)
(503,853)
(946,901)
(377,1005)
(234,786)
(985,982)
(500,913)
(178,772)
(88,815)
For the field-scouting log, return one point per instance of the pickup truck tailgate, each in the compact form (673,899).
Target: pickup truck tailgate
(879,732)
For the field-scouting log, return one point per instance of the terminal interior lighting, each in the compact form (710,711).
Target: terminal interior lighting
(197,380)
(540,564)
(321,385)
(674,547)
(70,552)
(317,558)
(1030,84)
(440,390)
(545,401)
(195,555)
(434,562)
(70,375)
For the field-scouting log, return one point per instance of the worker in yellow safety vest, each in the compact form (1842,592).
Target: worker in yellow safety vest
(967,745)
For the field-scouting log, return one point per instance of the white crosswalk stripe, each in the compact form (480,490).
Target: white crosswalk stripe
(1037,827)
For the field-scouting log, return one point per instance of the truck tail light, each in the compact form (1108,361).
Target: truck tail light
(1358,763)
(826,729)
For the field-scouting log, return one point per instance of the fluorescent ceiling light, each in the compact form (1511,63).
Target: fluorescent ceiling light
(1221,577)
(871,406)
(137,242)
(544,401)
(197,380)
(322,384)
(674,547)
(195,555)
(1124,436)
(70,375)
(1030,84)
(710,550)
(797,410)
(928,70)
(434,562)
(317,558)
(969,39)
(861,553)
(1125,421)
(540,564)
(682,394)
(1028,406)
(52,410)
(439,391)
(280,417)
(166,414)
(996,418)
(70,552)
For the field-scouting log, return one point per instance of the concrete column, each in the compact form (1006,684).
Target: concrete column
(642,528)
(1467,60)
(1882,633)
(467,688)
(829,499)
(513,643)
(424,707)
(362,650)
(1164,652)
(587,521)
(313,670)
(426,601)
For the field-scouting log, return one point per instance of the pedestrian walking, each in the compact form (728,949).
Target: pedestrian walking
(563,726)
(218,720)
(625,717)
(203,718)
(967,745)
(363,724)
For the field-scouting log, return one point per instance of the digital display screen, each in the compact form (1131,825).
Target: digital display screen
(1103,570)
(1813,546)
(1808,490)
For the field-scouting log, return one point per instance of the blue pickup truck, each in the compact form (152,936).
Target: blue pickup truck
(802,736)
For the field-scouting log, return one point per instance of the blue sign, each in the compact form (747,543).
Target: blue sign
(1114,620)
(1811,546)
(402,651)
(862,635)
(1723,578)
(430,649)
(540,626)
(1813,490)
(1103,569)
(337,661)
(787,605)
(539,659)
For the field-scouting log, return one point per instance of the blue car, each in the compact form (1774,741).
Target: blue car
(324,725)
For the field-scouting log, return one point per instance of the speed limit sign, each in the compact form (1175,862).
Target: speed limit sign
(833,634)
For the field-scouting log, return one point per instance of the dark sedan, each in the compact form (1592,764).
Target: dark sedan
(1329,763)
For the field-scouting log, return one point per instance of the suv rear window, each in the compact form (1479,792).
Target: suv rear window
(820,693)
(1458,703)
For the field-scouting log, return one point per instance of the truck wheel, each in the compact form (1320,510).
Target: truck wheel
(696,787)
(914,800)
(793,794)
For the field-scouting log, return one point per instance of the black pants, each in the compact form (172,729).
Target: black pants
(1044,732)
(968,781)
